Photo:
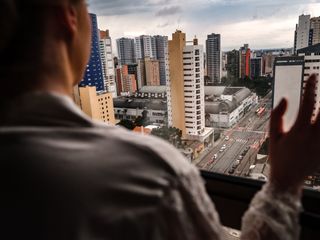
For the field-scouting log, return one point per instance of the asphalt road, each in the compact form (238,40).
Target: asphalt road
(250,132)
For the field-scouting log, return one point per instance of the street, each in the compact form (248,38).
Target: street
(248,134)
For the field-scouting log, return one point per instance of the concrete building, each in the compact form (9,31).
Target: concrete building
(312,66)
(233,64)
(225,106)
(126,51)
(152,72)
(145,47)
(315,30)
(126,82)
(214,58)
(256,67)
(162,57)
(151,100)
(186,88)
(302,33)
(98,106)
(94,73)
(107,62)
(245,61)
(288,82)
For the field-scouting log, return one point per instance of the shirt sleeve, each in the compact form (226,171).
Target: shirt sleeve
(272,215)
(191,211)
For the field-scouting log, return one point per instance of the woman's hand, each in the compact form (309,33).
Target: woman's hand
(294,155)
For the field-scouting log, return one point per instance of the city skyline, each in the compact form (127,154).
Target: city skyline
(242,21)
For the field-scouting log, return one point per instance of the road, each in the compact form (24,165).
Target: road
(250,133)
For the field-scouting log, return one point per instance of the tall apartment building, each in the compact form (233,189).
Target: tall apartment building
(291,74)
(245,61)
(98,106)
(145,47)
(315,30)
(214,58)
(256,67)
(153,47)
(126,82)
(302,33)
(126,51)
(186,103)
(162,57)
(152,72)
(233,64)
(94,72)
(107,62)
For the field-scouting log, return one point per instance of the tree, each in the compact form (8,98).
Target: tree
(127,124)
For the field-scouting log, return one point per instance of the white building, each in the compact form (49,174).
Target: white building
(315,30)
(145,47)
(312,66)
(288,77)
(302,33)
(194,89)
(108,64)
(225,106)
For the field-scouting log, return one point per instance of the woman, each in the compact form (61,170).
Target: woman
(67,177)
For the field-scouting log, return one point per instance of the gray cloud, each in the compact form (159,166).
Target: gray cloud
(167,11)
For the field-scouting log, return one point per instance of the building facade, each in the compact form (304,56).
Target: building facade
(98,106)
(126,82)
(302,33)
(256,67)
(152,68)
(214,58)
(162,57)
(245,61)
(233,64)
(126,51)
(94,75)
(186,88)
(108,62)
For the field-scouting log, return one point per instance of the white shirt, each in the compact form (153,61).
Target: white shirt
(115,184)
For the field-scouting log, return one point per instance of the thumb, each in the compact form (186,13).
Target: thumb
(276,124)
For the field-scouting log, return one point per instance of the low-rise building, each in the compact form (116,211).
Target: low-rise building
(98,106)
(225,106)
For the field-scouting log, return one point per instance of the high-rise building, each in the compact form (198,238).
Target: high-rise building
(107,62)
(94,72)
(186,106)
(152,72)
(315,30)
(126,51)
(302,33)
(288,78)
(98,106)
(291,74)
(214,58)
(126,82)
(162,57)
(233,64)
(245,61)
(145,47)
(256,67)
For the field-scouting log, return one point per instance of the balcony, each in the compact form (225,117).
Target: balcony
(232,197)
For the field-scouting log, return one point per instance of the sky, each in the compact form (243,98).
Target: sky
(261,23)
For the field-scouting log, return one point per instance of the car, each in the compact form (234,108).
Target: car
(215,156)
(221,150)
(231,171)
(227,138)
(240,157)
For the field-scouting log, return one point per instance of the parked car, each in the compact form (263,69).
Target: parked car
(231,171)
(227,138)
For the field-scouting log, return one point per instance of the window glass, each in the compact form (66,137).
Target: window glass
(229,61)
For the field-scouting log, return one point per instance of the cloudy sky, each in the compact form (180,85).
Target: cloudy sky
(261,23)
